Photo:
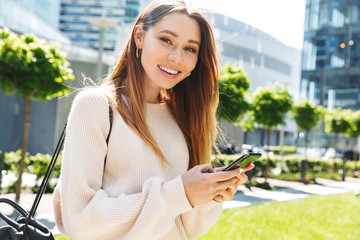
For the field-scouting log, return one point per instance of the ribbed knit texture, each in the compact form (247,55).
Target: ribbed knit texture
(133,195)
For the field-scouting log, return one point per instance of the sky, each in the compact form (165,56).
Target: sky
(282,19)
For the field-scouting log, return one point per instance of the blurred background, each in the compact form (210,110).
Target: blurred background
(309,46)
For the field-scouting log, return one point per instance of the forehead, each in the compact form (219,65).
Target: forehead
(181,24)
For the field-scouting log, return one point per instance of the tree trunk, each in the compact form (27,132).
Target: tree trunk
(26,127)
(354,148)
(335,143)
(306,143)
(267,166)
(304,161)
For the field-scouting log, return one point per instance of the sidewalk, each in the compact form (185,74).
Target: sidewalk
(284,191)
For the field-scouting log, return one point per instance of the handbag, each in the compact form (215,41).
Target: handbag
(26,227)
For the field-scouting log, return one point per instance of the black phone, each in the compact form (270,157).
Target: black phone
(243,161)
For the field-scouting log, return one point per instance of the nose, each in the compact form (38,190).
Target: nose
(175,55)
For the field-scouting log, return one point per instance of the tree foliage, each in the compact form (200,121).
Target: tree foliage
(354,120)
(336,121)
(32,67)
(306,115)
(233,84)
(269,107)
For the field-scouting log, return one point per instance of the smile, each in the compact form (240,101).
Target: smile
(168,70)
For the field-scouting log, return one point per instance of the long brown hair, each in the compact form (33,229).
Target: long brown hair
(193,101)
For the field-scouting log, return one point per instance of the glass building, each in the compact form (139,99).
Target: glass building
(40,17)
(75,16)
(331,53)
(330,73)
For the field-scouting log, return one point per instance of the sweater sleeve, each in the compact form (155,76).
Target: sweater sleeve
(201,219)
(83,210)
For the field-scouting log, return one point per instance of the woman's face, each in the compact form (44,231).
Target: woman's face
(169,52)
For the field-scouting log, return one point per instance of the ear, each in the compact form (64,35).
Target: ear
(139,36)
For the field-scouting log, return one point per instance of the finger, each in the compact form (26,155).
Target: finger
(226,175)
(249,167)
(243,178)
(205,168)
(219,198)
(229,193)
(218,169)
(222,186)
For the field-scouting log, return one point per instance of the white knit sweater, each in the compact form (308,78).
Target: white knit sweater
(136,196)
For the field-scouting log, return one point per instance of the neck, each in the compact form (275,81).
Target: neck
(152,99)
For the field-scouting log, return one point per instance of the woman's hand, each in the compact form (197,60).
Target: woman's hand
(229,193)
(203,184)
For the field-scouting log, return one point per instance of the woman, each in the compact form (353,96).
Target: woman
(156,181)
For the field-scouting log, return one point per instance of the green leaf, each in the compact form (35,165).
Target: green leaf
(30,66)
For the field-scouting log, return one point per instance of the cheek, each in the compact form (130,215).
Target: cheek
(191,62)
(152,53)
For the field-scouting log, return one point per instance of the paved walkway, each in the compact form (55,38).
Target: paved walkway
(284,191)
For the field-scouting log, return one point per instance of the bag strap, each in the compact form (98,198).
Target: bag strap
(18,208)
(52,165)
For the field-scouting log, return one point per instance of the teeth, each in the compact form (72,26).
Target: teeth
(168,70)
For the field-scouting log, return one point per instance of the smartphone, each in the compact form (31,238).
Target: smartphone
(243,161)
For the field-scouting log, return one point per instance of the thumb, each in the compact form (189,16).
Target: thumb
(206,168)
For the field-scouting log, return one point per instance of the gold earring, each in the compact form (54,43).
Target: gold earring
(137,53)
(189,74)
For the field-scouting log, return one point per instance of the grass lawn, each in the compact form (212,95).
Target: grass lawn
(317,217)
(334,217)
(60,237)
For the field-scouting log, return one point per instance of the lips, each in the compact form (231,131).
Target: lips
(168,70)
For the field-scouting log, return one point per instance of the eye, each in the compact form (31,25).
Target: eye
(166,40)
(189,49)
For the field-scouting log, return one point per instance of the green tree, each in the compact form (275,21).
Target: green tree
(336,122)
(306,116)
(269,109)
(34,69)
(233,84)
(354,129)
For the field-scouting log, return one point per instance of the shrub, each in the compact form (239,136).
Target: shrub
(36,165)
(285,149)
(290,165)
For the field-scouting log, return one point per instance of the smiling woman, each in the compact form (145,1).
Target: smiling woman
(157,181)
(167,56)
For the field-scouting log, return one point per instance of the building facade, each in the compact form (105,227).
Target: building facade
(266,61)
(331,58)
(75,16)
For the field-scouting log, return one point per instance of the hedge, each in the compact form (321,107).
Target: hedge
(288,164)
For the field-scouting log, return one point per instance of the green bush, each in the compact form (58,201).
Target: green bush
(353,168)
(12,161)
(290,165)
(285,150)
(36,165)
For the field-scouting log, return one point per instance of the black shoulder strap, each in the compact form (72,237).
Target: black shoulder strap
(111,121)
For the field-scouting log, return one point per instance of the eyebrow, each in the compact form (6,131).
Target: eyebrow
(175,35)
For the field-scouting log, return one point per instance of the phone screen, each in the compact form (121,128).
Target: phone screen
(243,161)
